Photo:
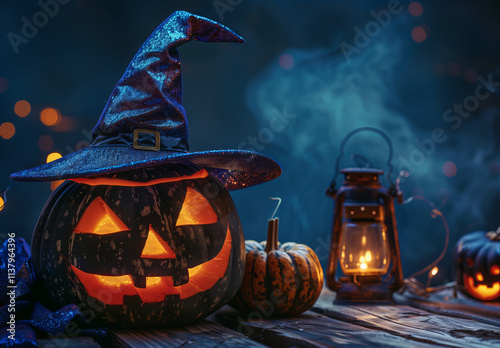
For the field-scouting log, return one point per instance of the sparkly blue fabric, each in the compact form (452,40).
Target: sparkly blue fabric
(32,319)
(149,97)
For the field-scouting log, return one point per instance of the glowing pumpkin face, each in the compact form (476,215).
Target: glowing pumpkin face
(159,246)
(477,261)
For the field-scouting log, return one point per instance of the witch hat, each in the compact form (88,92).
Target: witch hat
(144,124)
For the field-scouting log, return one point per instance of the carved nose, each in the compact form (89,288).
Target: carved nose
(156,248)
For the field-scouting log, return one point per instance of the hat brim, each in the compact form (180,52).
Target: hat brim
(234,168)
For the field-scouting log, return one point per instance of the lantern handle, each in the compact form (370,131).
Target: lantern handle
(331,189)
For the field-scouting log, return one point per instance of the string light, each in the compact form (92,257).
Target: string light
(434,271)
(410,281)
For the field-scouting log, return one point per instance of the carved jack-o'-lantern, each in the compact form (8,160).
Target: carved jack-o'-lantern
(145,232)
(477,264)
(146,247)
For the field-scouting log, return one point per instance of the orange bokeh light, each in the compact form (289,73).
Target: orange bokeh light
(22,108)
(53,156)
(45,142)
(449,169)
(418,34)
(55,184)
(50,116)
(2,203)
(415,8)
(7,130)
(4,84)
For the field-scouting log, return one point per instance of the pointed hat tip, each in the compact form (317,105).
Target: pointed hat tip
(200,28)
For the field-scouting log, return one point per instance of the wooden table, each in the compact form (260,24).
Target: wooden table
(439,321)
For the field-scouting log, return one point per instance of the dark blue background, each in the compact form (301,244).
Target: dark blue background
(231,93)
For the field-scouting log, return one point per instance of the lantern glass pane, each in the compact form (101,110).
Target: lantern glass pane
(364,248)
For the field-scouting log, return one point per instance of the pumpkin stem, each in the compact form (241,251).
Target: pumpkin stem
(272,235)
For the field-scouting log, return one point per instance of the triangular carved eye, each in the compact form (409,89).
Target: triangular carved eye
(196,210)
(156,248)
(100,219)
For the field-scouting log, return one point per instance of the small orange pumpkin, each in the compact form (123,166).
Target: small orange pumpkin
(279,280)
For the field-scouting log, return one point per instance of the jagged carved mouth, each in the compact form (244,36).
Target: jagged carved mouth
(482,291)
(111,289)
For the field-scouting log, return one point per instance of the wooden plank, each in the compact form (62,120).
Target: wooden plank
(307,330)
(411,323)
(445,303)
(202,334)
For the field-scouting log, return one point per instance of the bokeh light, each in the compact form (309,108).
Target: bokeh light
(22,108)
(438,68)
(418,34)
(53,156)
(415,8)
(7,130)
(45,142)
(470,76)
(286,62)
(453,69)
(65,124)
(81,145)
(449,169)
(494,167)
(2,203)
(55,184)
(4,84)
(50,116)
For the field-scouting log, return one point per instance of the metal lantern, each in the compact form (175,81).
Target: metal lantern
(364,262)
